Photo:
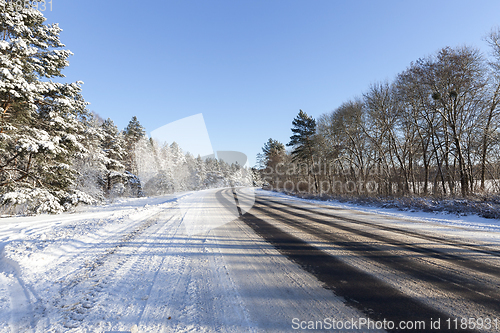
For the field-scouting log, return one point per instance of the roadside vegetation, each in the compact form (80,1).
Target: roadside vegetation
(432,132)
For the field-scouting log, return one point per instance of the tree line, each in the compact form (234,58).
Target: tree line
(55,153)
(432,131)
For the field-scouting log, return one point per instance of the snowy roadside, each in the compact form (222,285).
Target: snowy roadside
(83,220)
(470,227)
(61,244)
(153,265)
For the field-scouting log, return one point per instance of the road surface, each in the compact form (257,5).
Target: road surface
(227,260)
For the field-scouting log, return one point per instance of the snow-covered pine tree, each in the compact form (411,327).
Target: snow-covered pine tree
(213,173)
(166,173)
(133,133)
(190,167)
(147,166)
(91,164)
(225,174)
(201,174)
(112,145)
(237,175)
(40,126)
(162,180)
(179,167)
(255,177)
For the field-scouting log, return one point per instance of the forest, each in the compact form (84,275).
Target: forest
(432,132)
(55,154)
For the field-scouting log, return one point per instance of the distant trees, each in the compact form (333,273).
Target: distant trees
(434,130)
(164,169)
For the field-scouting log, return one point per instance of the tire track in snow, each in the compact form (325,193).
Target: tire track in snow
(229,280)
(19,300)
(83,289)
(128,292)
(156,313)
(198,296)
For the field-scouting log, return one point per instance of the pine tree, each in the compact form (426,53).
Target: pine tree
(213,172)
(201,174)
(91,165)
(112,145)
(302,141)
(162,180)
(146,159)
(179,167)
(40,121)
(133,133)
(225,173)
(255,177)
(272,153)
(190,181)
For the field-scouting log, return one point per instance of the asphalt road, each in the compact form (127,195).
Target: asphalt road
(386,272)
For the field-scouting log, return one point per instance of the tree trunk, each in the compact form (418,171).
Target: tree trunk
(486,135)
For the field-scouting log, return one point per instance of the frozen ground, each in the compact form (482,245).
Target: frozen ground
(179,263)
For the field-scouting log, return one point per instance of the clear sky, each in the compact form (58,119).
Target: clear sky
(250,65)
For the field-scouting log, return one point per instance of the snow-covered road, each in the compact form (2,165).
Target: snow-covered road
(190,263)
(152,266)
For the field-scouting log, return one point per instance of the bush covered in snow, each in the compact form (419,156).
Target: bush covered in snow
(28,201)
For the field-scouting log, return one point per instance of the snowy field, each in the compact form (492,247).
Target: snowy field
(178,263)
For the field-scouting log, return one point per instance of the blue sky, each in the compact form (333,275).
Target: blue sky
(249,66)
